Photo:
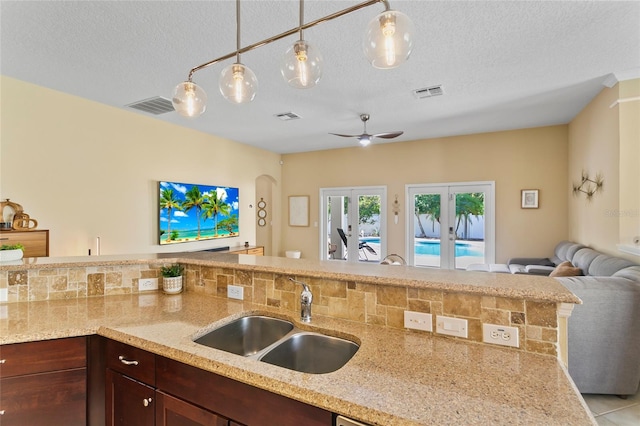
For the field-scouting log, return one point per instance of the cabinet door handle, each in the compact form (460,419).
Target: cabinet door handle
(126,361)
(147,401)
(1,412)
(2,361)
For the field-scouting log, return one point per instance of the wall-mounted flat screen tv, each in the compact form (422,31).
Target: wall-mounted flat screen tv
(192,212)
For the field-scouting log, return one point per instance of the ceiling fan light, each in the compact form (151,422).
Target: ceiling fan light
(189,100)
(364,140)
(388,40)
(302,65)
(238,84)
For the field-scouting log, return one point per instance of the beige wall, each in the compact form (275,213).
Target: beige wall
(83,170)
(604,140)
(629,107)
(515,160)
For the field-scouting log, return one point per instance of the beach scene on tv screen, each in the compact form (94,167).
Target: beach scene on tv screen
(194,212)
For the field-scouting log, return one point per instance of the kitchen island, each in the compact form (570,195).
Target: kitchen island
(397,377)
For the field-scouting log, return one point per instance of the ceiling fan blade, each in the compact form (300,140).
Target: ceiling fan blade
(387,135)
(345,136)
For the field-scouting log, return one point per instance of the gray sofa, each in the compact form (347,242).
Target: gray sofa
(603,332)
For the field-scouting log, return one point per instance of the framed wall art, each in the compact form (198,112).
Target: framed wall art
(529,198)
(298,210)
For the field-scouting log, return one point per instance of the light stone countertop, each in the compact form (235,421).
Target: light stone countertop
(527,287)
(396,377)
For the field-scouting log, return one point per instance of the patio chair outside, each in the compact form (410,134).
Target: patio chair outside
(362,245)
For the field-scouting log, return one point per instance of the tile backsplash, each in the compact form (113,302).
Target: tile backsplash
(368,303)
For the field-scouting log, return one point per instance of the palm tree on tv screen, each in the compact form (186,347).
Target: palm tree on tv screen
(194,199)
(168,201)
(229,223)
(213,207)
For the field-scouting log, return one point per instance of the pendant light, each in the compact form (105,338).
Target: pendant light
(388,39)
(302,62)
(189,100)
(238,84)
(387,44)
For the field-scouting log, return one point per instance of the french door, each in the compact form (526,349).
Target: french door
(453,225)
(353,224)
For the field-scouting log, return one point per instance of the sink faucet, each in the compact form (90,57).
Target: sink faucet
(305,301)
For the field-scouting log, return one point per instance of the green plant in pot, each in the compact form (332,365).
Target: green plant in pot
(172,278)
(10,252)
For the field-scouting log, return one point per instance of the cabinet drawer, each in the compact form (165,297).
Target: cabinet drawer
(256,251)
(44,399)
(234,400)
(36,243)
(37,357)
(133,362)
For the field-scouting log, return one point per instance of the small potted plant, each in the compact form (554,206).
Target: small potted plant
(172,278)
(10,252)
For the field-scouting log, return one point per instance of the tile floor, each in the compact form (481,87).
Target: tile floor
(609,410)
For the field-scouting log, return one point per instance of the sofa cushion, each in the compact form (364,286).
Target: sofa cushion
(631,273)
(583,258)
(565,250)
(565,269)
(605,266)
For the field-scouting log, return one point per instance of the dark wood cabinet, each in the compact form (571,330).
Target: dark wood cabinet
(184,395)
(172,411)
(132,398)
(129,402)
(243,403)
(45,381)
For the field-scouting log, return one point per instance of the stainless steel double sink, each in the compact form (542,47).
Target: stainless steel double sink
(278,342)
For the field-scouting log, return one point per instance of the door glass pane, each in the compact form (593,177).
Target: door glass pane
(337,219)
(426,241)
(469,229)
(369,228)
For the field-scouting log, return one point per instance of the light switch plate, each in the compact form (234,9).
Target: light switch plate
(451,326)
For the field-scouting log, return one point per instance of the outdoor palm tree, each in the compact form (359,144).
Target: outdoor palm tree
(194,199)
(168,201)
(429,205)
(214,206)
(468,205)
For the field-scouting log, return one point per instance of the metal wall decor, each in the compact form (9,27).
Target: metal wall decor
(262,213)
(588,186)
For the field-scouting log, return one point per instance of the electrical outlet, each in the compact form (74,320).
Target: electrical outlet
(145,284)
(451,326)
(235,292)
(4,294)
(500,335)
(417,321)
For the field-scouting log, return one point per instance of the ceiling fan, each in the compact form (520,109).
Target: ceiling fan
(365,138)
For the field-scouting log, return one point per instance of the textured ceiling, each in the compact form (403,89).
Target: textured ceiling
(502,64)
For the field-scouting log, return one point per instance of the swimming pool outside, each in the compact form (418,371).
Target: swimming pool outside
(427,251)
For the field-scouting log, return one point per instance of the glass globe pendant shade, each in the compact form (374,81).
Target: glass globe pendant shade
(189,100)
(389,39)
(238,84)
(301,66)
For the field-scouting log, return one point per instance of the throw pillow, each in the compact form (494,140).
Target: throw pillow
(565,269)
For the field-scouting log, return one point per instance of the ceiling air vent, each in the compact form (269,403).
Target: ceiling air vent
(156,105)
(428,92)
(286,116)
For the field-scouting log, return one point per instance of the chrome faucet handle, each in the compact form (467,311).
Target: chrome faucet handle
(306,298)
